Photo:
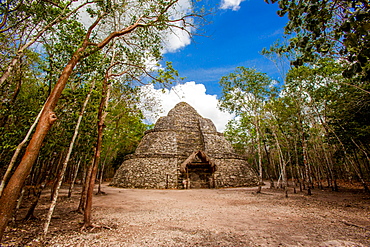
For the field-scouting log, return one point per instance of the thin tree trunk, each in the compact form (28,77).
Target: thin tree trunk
(57,176)
(101,120)
(20,199)
(65,163)
(35,201)
(70,190)
(91,184)
(306,168)
(16,153)
(269,165)
(40,184)
(282,161)
(82,204)
(101,179)
(102,171)
(260,175)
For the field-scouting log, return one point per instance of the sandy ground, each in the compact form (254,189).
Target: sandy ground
(201,217)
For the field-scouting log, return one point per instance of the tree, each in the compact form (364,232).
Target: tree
(244,93)
(146,20)
(33,19)
(65,163)
(334,29)
(339,119)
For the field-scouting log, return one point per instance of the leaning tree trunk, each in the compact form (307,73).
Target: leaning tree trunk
(101,179)
(65,163)
(82,204)
(11,192)
(102,171)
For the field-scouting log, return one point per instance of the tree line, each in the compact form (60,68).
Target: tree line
(311,127)
(69,96)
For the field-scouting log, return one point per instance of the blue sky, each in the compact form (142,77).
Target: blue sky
(233,38)
(235,35)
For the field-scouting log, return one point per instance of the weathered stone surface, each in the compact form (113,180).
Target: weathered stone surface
(181,134)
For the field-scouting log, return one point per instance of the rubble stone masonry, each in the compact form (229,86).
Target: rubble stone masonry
(156,161)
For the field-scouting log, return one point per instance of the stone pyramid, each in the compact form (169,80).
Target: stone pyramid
(184,150)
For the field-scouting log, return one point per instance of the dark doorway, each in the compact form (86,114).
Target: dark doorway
(197,171)
(200,175)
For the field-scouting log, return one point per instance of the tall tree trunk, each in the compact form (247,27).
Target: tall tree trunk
(260,175)
(101,120)
(306,166)
(101,179)
(11,192)
(268,171)
(65,163)
(31,210)
(282,161)
(102,171)
(40,184)
(57,175)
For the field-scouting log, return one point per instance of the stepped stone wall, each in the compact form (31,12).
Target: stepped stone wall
(157,160)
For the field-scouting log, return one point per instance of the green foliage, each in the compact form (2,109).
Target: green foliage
(335,29)
(123,60)
(315,127)
(124,129)
(347,115)
(245,89)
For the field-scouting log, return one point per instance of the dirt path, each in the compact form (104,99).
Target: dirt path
(219,217)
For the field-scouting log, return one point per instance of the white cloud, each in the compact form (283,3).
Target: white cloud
(173,38)
(178,37)
(231,4)
(192,93)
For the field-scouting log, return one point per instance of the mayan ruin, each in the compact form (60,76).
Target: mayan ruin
(184,150)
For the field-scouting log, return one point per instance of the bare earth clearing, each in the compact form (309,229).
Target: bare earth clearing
(214,217)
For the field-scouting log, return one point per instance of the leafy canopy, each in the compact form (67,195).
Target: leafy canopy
(335,29)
